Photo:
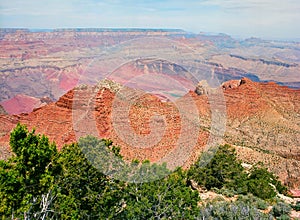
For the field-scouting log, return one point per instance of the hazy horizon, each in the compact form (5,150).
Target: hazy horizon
(267,19)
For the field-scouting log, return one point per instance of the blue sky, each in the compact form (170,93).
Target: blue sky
(244,18)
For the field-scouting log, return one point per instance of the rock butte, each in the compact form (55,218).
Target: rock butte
(262,123)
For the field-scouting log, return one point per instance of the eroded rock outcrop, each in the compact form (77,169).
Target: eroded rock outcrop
(262,121)
(232,84)
(2,111)
(202,88)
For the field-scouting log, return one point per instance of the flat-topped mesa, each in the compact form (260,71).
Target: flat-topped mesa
(86,33)
(155,65)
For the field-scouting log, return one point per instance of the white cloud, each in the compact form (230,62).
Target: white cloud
(287,6)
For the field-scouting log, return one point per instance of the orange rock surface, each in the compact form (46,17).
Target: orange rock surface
(262,122)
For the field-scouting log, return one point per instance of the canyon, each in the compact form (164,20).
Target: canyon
(48,63)
(158,94)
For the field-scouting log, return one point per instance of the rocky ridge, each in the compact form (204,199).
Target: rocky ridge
(262,122)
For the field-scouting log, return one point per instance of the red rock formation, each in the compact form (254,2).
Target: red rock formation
(232,84)
(262,117)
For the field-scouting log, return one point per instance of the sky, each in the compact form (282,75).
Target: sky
(268,19)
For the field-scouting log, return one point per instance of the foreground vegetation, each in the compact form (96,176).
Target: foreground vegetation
(39,182)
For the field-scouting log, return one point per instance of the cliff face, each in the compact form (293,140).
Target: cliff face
(37,44)
(262,122)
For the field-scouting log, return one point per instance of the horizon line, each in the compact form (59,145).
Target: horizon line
(124,29)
